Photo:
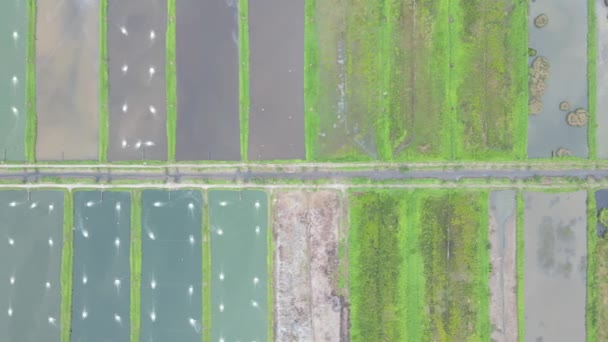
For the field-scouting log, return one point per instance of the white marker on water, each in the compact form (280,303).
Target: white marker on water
(11,241)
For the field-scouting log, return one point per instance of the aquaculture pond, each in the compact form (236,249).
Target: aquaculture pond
(309,301)
(555,254)
(30,271)
(13,44)
(558,103)
(601,110)
(136,65)
(101,271)
(67,79)
(503,276)
(239,223)
(207,64)
(276,44)
(171,266)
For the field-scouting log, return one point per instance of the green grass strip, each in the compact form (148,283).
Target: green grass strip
(206,297)
(452,94)
(104,116)
(592,290)
(244,75)
(592,79)
(519,73)
(67,261)
(519,256)
(171,75)
(30,79)
(270,247)
(483,260)
(311,79)
(135,260)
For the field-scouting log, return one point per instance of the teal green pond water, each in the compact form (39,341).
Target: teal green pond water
(31,237)
(13,44)
(171,268)
(101,273)
(239,225)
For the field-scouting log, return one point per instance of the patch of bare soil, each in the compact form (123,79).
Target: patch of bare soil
(503,281)
(309,304)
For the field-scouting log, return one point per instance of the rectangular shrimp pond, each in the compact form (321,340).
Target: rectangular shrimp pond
(149,265)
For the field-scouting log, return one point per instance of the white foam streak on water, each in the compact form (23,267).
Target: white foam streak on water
(124,31)
(254,303)
(256,280)
(190,290)
(10,311)
(47,285)
(84,279)
(151,71)
(90,204)
(151,235)
(221,307)
(152,110)
(149,143)
(153,284)
(152,35)
(257,204)
(51,320)
(123,143)
(15,35)
(85,233)
(11,241)
(153,315)
(51,207)
(125,107)
(117,284)
(12,280)
(15,80)
(191,239)
(50,242)
(221,276)
(117,319)
(257,230)
(13,204)
(84,314)
(15,111)
(117,243)
(33,205)
(118,206)
(159,204)
(194,324)
(223,203)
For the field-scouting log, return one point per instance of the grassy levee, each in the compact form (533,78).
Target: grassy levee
(30,79)
(67,261)
(104,115)
(592,304)
(419,265)
(135,261)
(488,66)
(519,256)
(270,248)
(592,78)
(244,75)
(206,251)
(171,76)
(311,79)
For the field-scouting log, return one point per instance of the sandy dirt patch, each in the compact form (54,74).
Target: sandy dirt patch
(310,306)
(503,279)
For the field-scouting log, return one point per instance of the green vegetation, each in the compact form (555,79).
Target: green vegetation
(135,260)
(592,78)
(206,251)
(489,69)
(519,256)
(171,75)
(592,304)
(419,265)
(244,75)
(30,79)
(104,116)
(384,79)
(270,248)
(603,217)
(67,261)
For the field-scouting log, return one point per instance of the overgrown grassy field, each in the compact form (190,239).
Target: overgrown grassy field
(401,79)
(30,79)
(67,262)
(104,115)
(489,69)
(171,76)
(419,265)
(135,260)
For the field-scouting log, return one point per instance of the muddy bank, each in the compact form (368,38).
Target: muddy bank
(67,79)
(503,279)
(310,306)
(207,80)
(276,122)
(555,266)
(137,91)
(563,43)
